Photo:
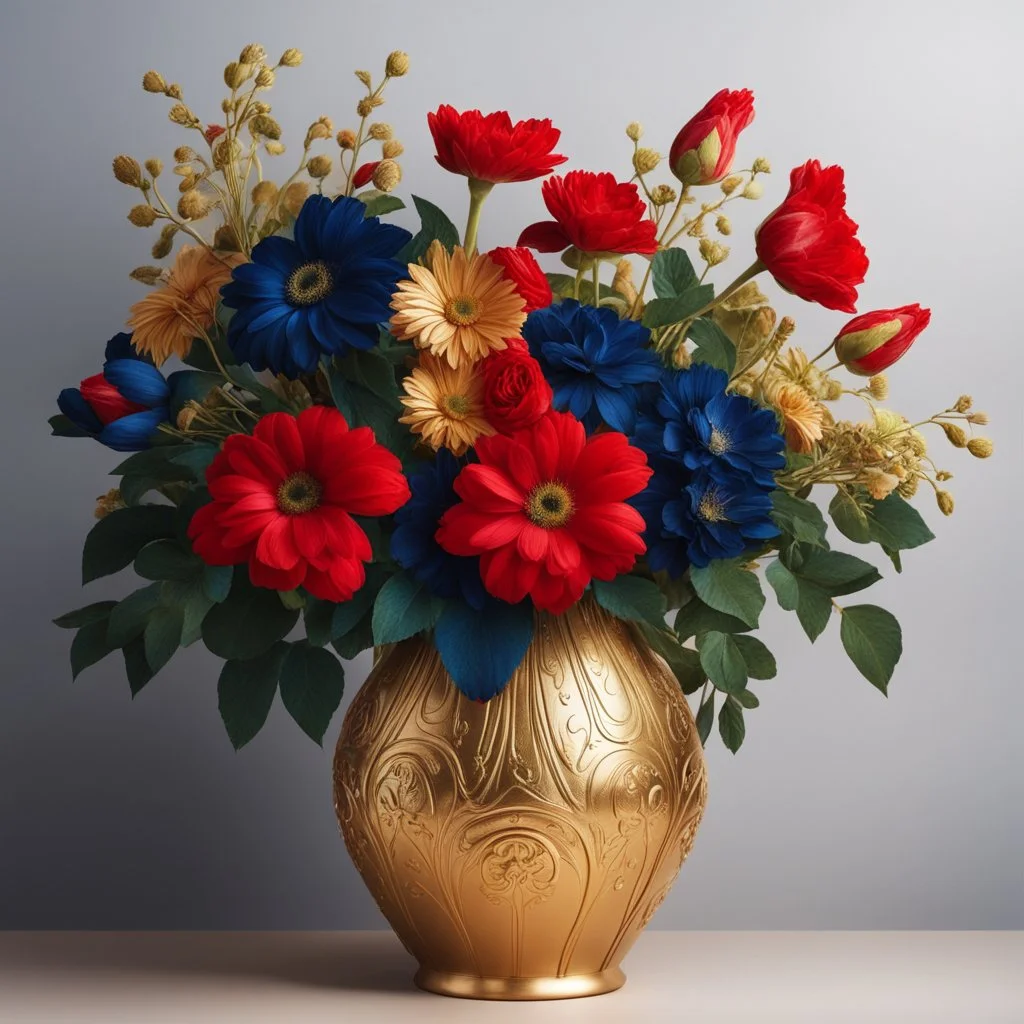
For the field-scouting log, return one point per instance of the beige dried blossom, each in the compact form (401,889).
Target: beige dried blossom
(945,502)
(713,253)
(155,166)
(634,130)
(662,195)
(397,64)
(346,138)
(730,184)
(264,126)
(963,403)
(980,447)
(646,160)
(148,275)
(294,196)
(392,149)
(291,58)
(153,81)
(723,224)
(319,166)
(183,155)
(878,387)
(180,114)
(622,282)
(252,54)
(878,483)
(128,170)
(753,190)
(235,74)
(265,77)
(274,148)
(225,239)
(380,130)
(264,193)
(761,166)
(386,175)
(163,245)
(193,205)
(955,434)
(112,501)
(365,78)
(142,216)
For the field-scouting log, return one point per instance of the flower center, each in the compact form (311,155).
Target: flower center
(457,406)
(309,284)
(462,310)
(550,505)
(300,493)
(712,509)
(719,441)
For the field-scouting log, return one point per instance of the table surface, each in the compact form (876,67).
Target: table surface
(698,977)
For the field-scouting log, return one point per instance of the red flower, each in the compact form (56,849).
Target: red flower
(522,269)
(810,245)
(593,212)
(364,174)
(105,400)
(489,147)
(516,394)
(283,501)
(545,509)
(703,151)
(872,342)
(213,131)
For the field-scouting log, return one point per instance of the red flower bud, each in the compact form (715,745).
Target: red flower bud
(872,342)
(522,269)
(516,394)
(105,400)
(213,131)
(703,151)
(364,174)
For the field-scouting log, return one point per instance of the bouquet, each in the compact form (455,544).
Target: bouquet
(390,434)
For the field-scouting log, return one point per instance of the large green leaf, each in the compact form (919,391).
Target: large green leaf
(129,616)
(873,640)
(61,426)
(672,273)
(713,345)
(759,660)
(695,617)
(897,525)
(379,203)
(731,726)
(99,611)
(163,635)
(312,681)
(838,573)
(723,661)
(726,586)
(662,312)
(800,519)
(706,718)
(812,605)
(167,560)
(684,662)
(136,666)
(248,622)
(403,608)
(89,645)
(118,537)
(434,224)
(850,518)
(245,692)
(632,598)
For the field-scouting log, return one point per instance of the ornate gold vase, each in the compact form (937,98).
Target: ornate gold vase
(518,847)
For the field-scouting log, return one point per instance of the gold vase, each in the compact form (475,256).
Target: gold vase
(518,847)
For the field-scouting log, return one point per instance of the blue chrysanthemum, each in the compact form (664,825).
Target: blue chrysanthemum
(413,545)
(123,406)
(323,292)
(594,361)
(721,432)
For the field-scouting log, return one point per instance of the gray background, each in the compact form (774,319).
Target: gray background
(843,810)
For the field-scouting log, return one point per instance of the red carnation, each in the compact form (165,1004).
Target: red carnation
(810,245)
(516,394)
(546,511)
(364,174)
(523,270)
(593,212)
(489,147)
(703,151)
(283,501)
(872,342)
(213,131)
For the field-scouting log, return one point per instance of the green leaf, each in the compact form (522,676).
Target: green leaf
(403,608)
(714,346)
(812,605)
(97,612)
(348,615)
(196,458)
(128,617)
(759,660)
(150,462)
(136,667)
(357,639)
(632,598)
(747,699)
(162,635)
(726,586)
(850,519)
(684,662)
(672,273)
(434,224)
(838,573)
(312,681)
(89,645)
(316,617)
(662,312)
(731,726)
(695,617)
(167,560)
(800,519)
(191,386)
(361,407)
(217,582)
(722,659)
(245,692)
(61,426)
(245,377)
(873,640)
(706,718)
(248,622)
(897,525)
(118,537)
(379,203)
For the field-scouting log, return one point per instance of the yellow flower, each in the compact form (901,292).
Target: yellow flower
(166,321)
(445,404)
(803,417)
(462,308)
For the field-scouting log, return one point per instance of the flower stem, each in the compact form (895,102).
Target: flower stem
(597,282)
(751,272)
(825,352)
(478,192)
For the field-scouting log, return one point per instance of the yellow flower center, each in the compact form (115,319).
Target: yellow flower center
(550,505)
(309,284)
(711,508)
(457,406)
(300,493)
(462,310)
(719,442)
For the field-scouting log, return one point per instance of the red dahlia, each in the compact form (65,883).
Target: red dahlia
(516,394)
(545,509)
(593,212)
(523,270)
(810,245)
(283,501)
(489,147)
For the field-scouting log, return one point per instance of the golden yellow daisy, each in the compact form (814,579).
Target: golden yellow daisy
(445,404)
(803,417)
(462,308)
(166,321)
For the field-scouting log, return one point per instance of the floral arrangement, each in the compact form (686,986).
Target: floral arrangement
(391,434)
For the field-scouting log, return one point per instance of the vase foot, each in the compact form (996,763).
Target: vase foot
(471,986)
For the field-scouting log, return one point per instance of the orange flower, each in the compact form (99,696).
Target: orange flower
(802,416)
(166,321)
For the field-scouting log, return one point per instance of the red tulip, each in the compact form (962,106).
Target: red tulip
(872,342)
(810,245)
(703,151)
(364,173)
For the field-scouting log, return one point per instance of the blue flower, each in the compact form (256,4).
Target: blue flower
(324,292)
(593,360)
(413,545)
(721,432)
(123,406)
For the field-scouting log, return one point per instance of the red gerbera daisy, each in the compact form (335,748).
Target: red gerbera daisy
(523,270)
(489,147)
(283,501)
(546,511)
(595,213)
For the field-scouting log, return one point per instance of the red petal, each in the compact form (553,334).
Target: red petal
(263,575)
(281,432)
(545,236)
(276,546)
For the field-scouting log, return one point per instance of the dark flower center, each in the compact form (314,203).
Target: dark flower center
(457,406)
(309,284)
(550,505)
(462,310)
(300,493)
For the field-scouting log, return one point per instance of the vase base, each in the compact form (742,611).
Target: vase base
(471,986)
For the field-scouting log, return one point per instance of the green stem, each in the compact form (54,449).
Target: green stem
(751,272)
(597,282)
(478,192)
(825,352)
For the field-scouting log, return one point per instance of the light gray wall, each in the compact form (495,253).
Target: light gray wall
(843,810)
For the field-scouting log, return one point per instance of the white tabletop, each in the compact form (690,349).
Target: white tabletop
(336,977)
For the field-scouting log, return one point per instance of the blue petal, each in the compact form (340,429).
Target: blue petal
(120,347)
(133,433)
(138,381)
(77,409)
(279,254)
(615,409)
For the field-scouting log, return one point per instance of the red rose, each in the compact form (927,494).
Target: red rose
(703,151)
(213,131)
(364,174)
(872,342)
(810,245)
(489,147)
(595,213)
(522,269)
(516,394)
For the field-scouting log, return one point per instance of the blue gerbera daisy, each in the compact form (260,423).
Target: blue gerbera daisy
(123,406)
(594,361)
(323,292)
(413,545)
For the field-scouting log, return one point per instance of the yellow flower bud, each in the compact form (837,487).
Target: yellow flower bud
(730,184)
(154,165)
(227,151)
(186,416)
(188,181)
(274,148)
(908,487)
(963,403)
(183,154)
(319,129)
(634,130)
(761,166)
(264,193)
(225,239)
(162,246)
(173,90)
(364,77)
(265,77)
(193,205)
(681,358)
(386,175)
(180,114)
(713,253)
(142,216)
(127,170)
(943,475)
(291,58)
(252,54)
(622,282)
(380,131)
(109,502)
(364,108)
(980,447)
(397,64)
(265,126)
(391,149)
(945,502)
(319,166)
(978,418)
(153,81)
(878,387)
(294,196)
(346,138)
(954,434)
(235,74)
(723,224)
(645,160)
(147,275)
(754,190)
